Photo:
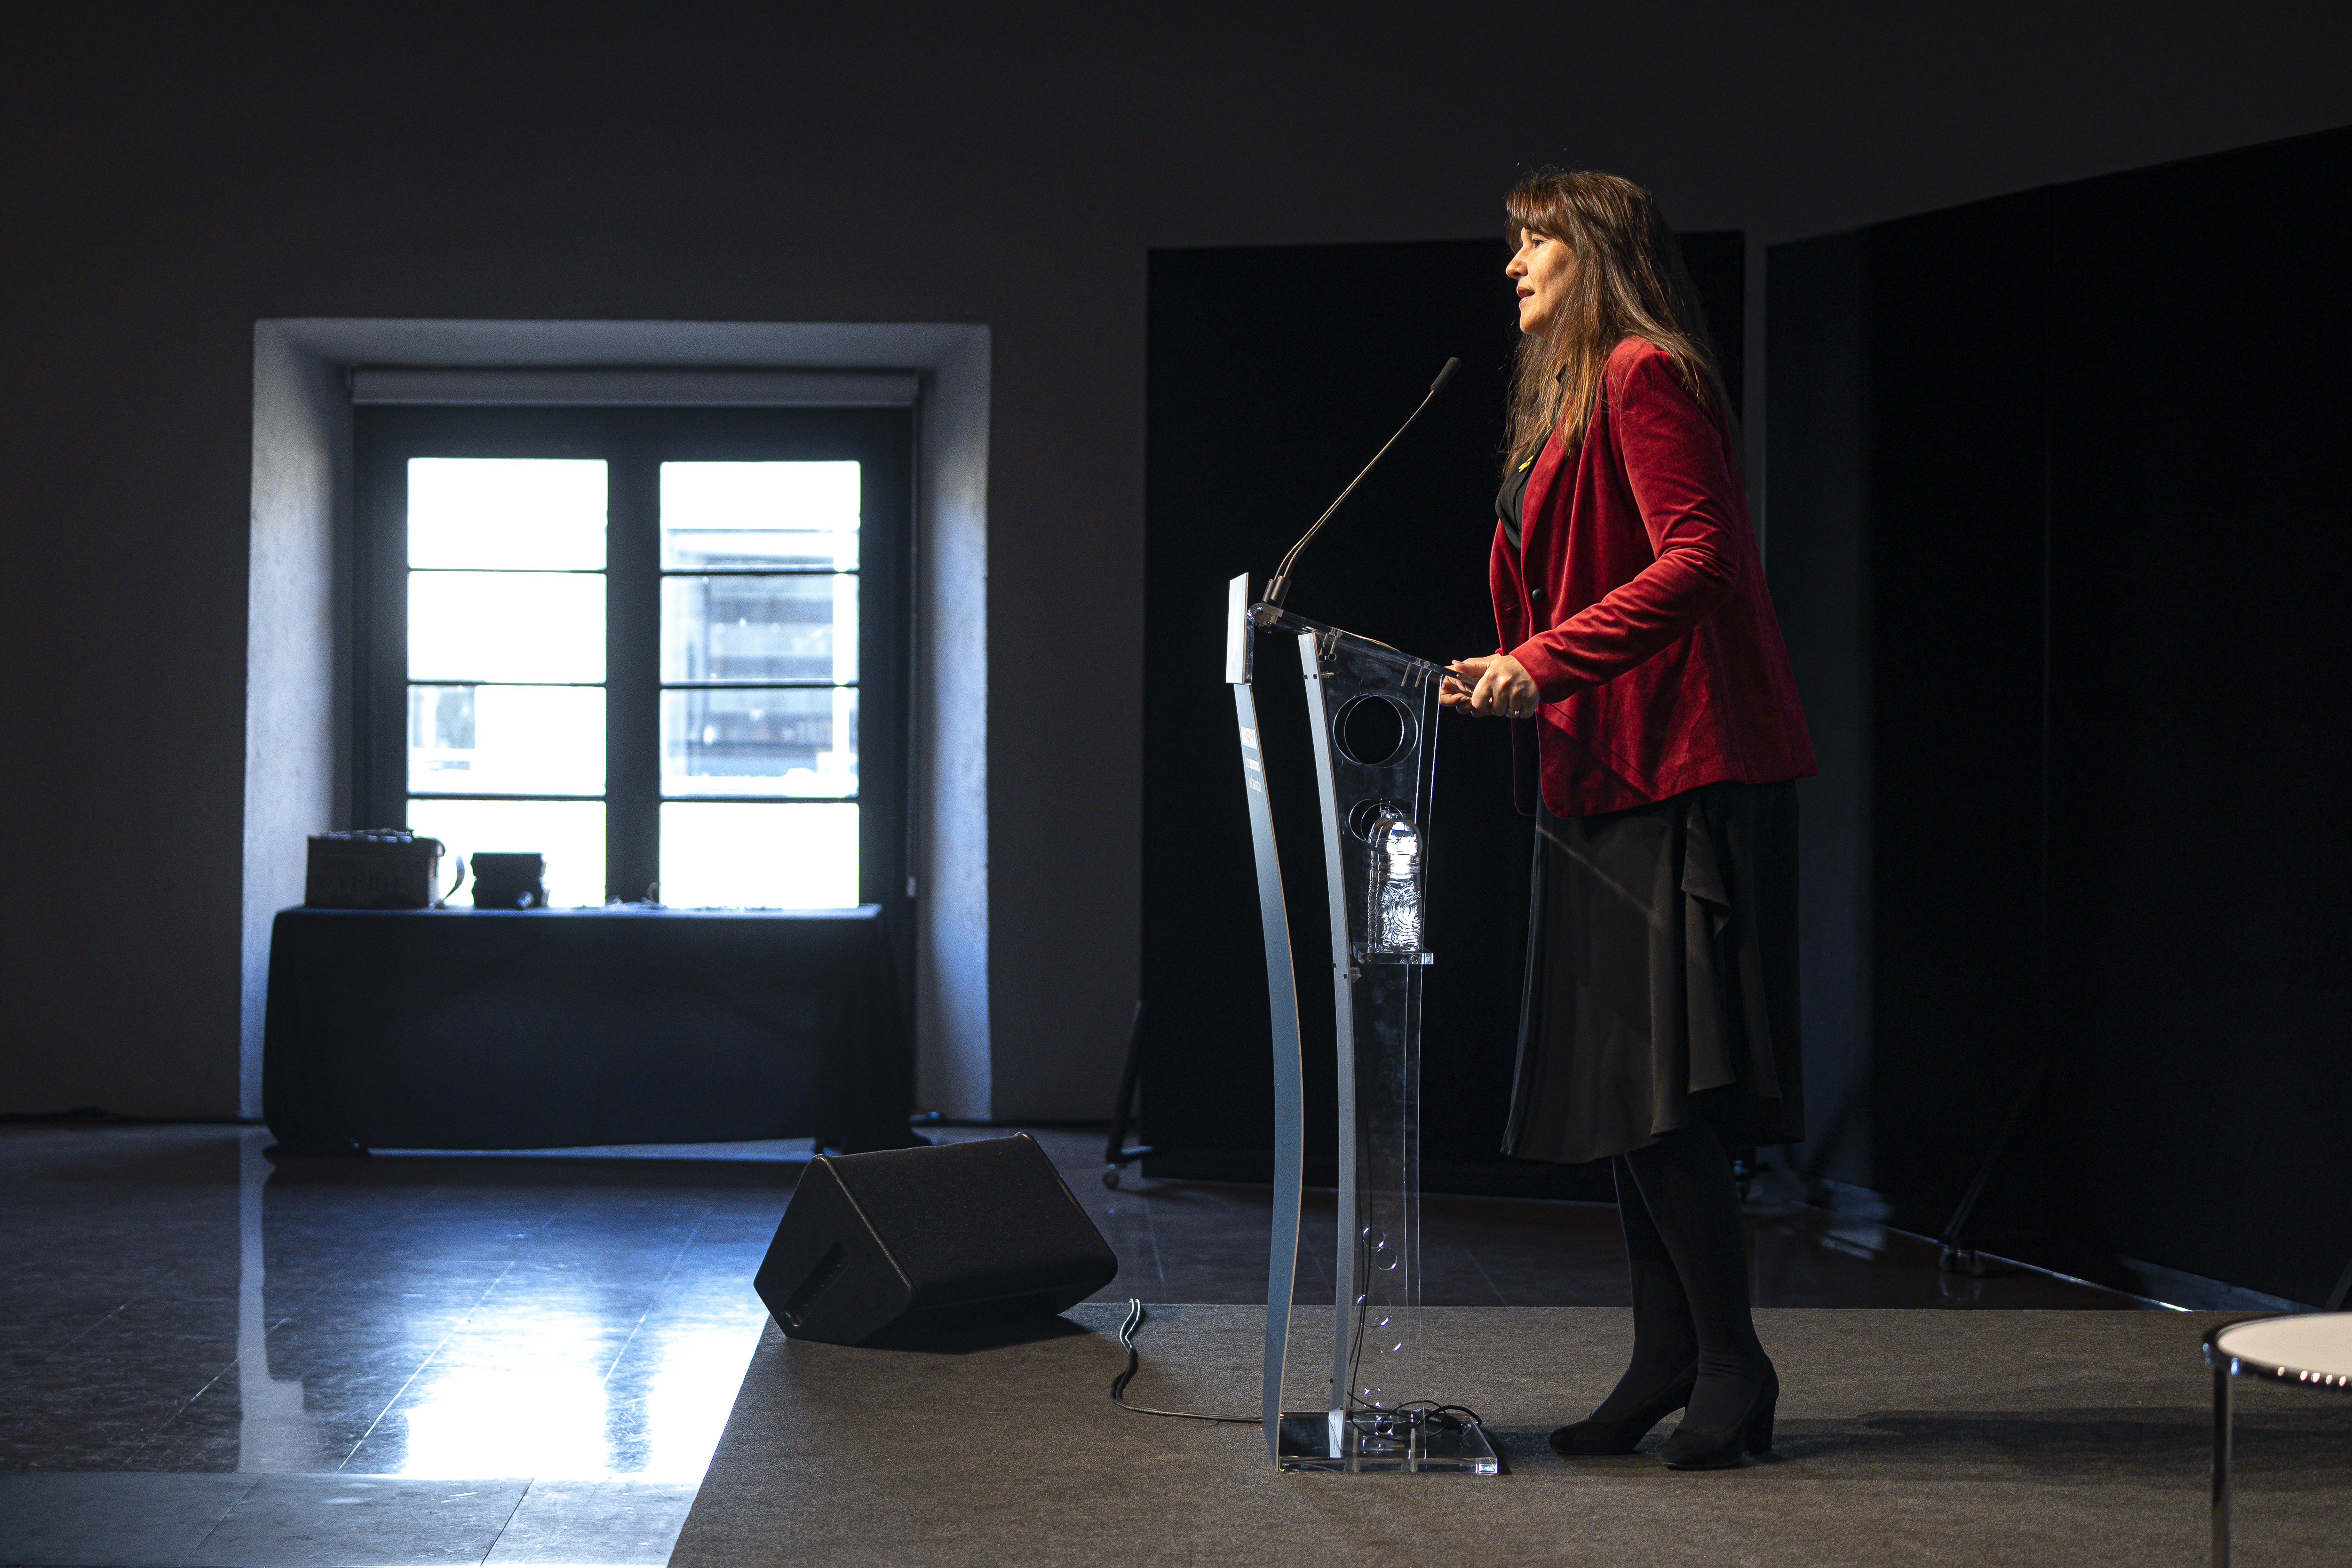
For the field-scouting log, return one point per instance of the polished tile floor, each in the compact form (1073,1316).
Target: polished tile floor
(529,1358)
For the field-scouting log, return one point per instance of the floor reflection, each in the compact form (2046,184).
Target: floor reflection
(566,1319)
(513,1399)
(174,1300)
(274,1433)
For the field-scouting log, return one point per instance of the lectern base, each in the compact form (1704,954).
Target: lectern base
(1372,1441)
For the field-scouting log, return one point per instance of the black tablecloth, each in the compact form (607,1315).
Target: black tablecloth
(547,1028)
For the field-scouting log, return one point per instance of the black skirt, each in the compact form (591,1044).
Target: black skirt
(1661,965)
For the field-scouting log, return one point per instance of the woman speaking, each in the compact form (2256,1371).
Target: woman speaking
(1658,733)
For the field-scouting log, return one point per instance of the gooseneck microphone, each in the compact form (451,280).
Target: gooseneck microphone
(1280,586)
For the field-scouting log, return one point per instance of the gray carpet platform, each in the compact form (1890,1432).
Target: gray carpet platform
(1908,1438)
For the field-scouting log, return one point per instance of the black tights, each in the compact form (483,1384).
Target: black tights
(1688,1255)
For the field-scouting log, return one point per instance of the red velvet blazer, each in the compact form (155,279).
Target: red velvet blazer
(1637,602)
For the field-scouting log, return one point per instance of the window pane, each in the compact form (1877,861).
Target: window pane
(506,625)
(719,855)
(507,740)
(759,514)
(536,513)
(760,628)
(768,743)
(569,833)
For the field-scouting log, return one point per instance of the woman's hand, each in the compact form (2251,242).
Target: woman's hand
(1494,685)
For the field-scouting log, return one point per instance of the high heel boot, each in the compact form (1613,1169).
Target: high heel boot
(1601,1433)
(1685,1182)
(1692,1449)
(1664,1366)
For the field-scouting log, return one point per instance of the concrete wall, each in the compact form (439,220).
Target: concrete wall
(297,651)
(171,182)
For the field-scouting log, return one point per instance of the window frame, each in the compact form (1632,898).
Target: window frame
(634,441)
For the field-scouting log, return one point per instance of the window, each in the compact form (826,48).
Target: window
(504,671)
(760,576)
(666,649)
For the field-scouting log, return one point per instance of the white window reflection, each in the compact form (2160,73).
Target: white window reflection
(565,1396)
(696,1372)
(520,1395)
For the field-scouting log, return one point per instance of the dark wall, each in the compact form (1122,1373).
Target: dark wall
(2084,470)
(170,175)
(1955,683)
(1258,415)
(2199,711)
(1819,566)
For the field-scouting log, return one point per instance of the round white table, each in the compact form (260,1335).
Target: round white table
(2310,1349)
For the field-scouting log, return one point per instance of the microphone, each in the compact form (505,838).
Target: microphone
(1276,590)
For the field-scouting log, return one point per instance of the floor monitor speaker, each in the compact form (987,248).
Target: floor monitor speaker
(902,1242)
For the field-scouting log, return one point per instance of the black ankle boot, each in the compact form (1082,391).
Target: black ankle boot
(1597,1434)
(1691,1450)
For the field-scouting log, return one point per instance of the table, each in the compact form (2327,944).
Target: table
(550,1028)
(2313,1350)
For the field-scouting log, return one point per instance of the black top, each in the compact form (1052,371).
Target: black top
(1512,499)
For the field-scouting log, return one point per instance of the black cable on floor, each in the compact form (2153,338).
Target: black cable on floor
(1135,1316)
(1449,1416)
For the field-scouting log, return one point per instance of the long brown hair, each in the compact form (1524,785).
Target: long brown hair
(1629,281)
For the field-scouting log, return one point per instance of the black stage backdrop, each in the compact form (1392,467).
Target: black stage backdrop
(2058,528)
(1274,374)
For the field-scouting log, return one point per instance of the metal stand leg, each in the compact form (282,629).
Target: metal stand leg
(2221,1465)
(1288,1062)
(1116,1154)
(1957,1258)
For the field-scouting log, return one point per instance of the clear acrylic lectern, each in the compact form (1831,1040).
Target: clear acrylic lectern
(1374,715)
